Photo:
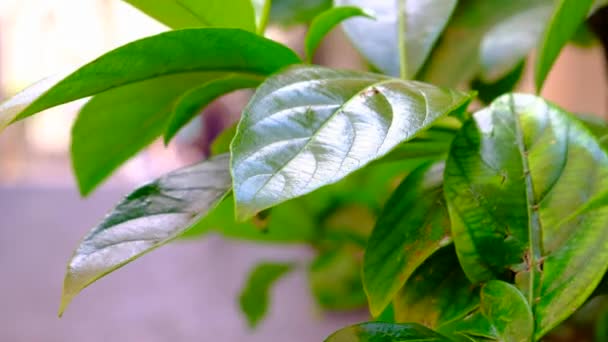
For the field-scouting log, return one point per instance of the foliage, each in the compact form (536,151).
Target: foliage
(449,225)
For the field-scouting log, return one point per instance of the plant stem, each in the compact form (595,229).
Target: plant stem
(264,17)
(402,26)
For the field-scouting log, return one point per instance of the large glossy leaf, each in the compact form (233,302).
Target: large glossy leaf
(565,21)
(254,298)
(325,22)
(403,33)
(180,14)
(440,297)
(148,218)
(307,127)
(526,186)
(175,52)
(413,225)
(386,332)
(490,37)
(191,103)
(103,134)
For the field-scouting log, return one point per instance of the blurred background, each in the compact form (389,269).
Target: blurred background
(185,291)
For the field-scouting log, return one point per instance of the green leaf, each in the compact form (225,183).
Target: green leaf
(479,39)
(170,53)
(292,12)
(413,225)
(286,143)
(102,135)
(489,91)
(403,32)
(386,332)
(335,280)
(440,297)
(288,223)
(325,22)
(221,144)
(180,14)
(254,298)
(526,186)
(191,103)
(565,21)
(148,218)
(262,14)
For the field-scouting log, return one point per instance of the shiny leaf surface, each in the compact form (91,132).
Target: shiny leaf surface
(413,225)
(403,32)
(565,21)
(480,39)
(386,332)
(325,22)
(175,52)
(286,144)
(526,187)
(148,218)
(255,296)
(180,14)
(191,103)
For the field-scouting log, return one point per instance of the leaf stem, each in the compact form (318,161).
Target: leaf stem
(264,18)
(402,26)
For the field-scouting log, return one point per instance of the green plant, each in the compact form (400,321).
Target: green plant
(497,229)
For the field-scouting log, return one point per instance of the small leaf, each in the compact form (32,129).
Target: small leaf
(325,22)
(293,12)
(526,186)
(415,29)
(254,298)
(180,14)
(489,91)
(286,143)
(148,218)
(413,225)
(170,53)
(386,332)
(565,21)
(335,280)
(262,14)
(191,103)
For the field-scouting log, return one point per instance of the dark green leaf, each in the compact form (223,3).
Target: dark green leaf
(480,39)
(489,91)
(335,280)
(386,332)
(325,22)
(180,14)
(103,134)
(148,218)
(565,21)
(254,298)
(291,12)
(174,52)
(403,32)
(191,103)
(413,225)
(526,186)
(307,127)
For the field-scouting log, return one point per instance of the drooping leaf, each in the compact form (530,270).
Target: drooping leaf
(335,280)
(325,22)
(526,187)
(413,225)
(403,32)
(439,296)
(480,40)
(386,332)
(103,134)
(255,296)
(292,12)
(565,21)
(191,103)
(148,218)
(174,52)
(180,14)
(489,91)
(286,143)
